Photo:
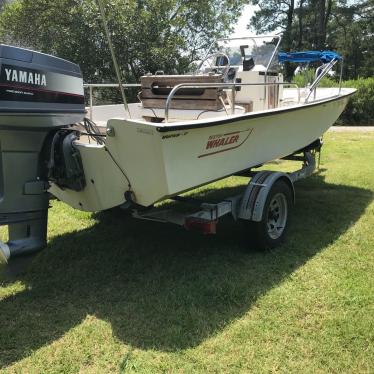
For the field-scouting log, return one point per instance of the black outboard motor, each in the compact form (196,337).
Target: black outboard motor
(39,95)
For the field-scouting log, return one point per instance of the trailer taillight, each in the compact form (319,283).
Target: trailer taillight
(204,226)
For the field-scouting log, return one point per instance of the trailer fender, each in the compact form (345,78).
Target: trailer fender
(254,197)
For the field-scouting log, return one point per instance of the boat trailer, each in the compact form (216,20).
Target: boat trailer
(43,97)
(265,203)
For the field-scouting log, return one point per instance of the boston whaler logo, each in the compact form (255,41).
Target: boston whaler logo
(221,140)
(224,142)
(26,77)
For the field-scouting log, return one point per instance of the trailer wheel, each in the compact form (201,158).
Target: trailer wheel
(270,232)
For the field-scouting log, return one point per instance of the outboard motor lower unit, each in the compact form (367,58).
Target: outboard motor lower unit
(39,95)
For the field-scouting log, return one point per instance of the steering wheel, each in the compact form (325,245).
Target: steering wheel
(214,57)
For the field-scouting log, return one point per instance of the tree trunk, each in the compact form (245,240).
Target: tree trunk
(323,15)
(321,4)
(287,45)
(301,15)
(288,32)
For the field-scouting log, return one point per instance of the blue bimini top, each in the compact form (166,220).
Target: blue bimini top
(308,56)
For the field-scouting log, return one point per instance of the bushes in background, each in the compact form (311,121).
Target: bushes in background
(360,108)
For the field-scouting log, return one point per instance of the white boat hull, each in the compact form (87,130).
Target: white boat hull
(157,161)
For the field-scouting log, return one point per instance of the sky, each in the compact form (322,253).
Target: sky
(241,26)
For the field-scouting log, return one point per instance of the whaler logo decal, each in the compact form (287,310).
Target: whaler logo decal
(20,76)
(224,142)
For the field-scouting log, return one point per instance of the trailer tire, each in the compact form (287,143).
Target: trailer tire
(271,231)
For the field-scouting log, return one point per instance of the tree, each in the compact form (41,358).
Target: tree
(345,26)
(148,35)
(352,33)
(275,15)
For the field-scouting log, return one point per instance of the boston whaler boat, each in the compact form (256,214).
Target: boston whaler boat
(230,115)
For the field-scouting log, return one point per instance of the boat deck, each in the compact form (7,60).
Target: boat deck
(101,114)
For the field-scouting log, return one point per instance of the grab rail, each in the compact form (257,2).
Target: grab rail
(231,86)
(320,73)
(91,86)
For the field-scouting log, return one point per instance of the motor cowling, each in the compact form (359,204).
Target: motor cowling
(39,95)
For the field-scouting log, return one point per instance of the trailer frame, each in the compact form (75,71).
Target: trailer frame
(248,206)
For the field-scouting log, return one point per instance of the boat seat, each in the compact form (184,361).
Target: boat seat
(156,88)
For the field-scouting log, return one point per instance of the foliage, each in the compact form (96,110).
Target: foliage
(347,27)
(148,35)
(304,77)
(351,32)
(342,25)
(360,108)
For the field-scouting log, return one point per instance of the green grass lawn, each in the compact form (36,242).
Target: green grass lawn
(112,294)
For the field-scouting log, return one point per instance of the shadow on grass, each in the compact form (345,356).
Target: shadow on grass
(159,286)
